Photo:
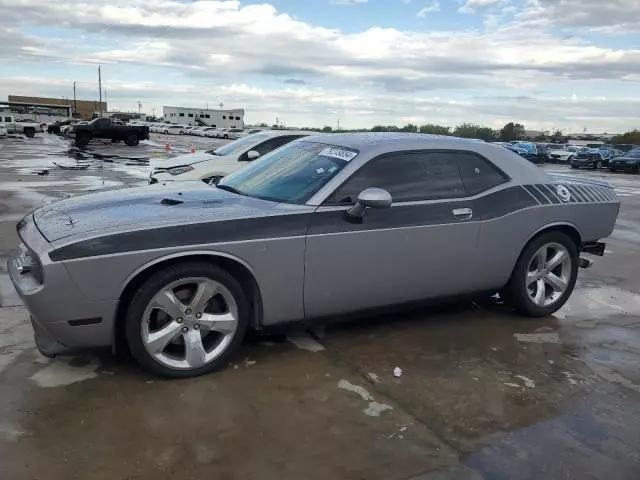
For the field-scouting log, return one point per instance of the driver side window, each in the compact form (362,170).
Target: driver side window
(269,145)
(407,177)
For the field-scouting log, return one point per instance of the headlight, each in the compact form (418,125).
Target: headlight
(179,170)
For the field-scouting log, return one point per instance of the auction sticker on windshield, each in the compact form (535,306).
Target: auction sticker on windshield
(339,153)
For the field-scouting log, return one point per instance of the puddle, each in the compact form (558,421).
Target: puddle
(374,409)
(599,303)
(305,342)
(62,372)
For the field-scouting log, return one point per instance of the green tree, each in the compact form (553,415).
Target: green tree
(469,130)
(512,131)
(632,137)
(327,129)
(410,127)
(435,129)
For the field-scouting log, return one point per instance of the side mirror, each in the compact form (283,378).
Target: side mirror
(252,155)
(369,198)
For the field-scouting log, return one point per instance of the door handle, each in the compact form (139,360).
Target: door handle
(463,213)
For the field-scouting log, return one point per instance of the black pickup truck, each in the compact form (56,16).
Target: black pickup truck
(105,128)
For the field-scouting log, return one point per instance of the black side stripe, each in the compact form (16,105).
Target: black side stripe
(585,193)
(576,194)
(531,192)
(494,205)
(548,191)
(539,195)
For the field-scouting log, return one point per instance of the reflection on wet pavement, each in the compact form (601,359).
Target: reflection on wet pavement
(482,393)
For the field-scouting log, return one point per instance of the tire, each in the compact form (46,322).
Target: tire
(132,140)
(517,292)
(171,360)
(226,137)
(598,165)
(29,132)
(574,166)
(166,132)
(82,139)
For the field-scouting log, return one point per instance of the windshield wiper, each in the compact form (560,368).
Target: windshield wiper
(230,189)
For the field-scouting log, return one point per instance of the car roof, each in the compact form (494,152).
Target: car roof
(371,144)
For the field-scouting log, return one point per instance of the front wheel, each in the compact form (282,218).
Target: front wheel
(132,140)
(226,137)
(544,275)
(598,165)
(187,320)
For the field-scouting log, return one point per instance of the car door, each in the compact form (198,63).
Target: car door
(424,246)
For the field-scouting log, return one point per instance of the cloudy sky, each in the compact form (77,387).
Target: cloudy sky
(569,64)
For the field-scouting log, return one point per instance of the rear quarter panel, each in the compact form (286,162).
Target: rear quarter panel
(503,239)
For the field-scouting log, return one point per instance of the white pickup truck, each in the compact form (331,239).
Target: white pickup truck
(29,129)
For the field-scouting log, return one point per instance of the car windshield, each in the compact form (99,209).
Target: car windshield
(291,174)
(239,145)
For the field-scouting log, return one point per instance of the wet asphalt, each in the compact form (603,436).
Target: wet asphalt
(483,394)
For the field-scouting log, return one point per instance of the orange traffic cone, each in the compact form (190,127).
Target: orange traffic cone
(167,147)
(193,149)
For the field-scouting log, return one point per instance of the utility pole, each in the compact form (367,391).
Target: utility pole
(75,102)
(100,90)
(338,124)
(139,108)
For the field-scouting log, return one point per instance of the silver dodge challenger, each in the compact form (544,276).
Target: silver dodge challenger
(323,226)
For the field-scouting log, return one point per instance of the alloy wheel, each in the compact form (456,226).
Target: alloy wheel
(548,274)
(189,323)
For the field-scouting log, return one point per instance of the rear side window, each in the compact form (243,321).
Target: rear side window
(477,173)
(407,177)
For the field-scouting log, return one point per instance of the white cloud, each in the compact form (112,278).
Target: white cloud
(245,54)
(470,5)
(348,2)
(434,6)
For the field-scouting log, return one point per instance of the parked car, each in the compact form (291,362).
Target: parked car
(564,155)
(591,158)
(25,127)
(533,152)
(202,132)
(629,161)
(187,130)
(105,128)
(212,165)
(171,129)
(230,133)
(324,226)
(212,133)
(56,127)
(3,130)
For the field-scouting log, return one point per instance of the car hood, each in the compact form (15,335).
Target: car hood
(188,159)
(151,207)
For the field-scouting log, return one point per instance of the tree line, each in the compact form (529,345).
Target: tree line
(511,131)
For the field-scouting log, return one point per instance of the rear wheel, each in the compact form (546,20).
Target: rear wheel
(29,132)
(132,140)
(544,275)
(187,320)
(598,165)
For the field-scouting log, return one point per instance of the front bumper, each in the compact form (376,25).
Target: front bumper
(584,162)
(63,319)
